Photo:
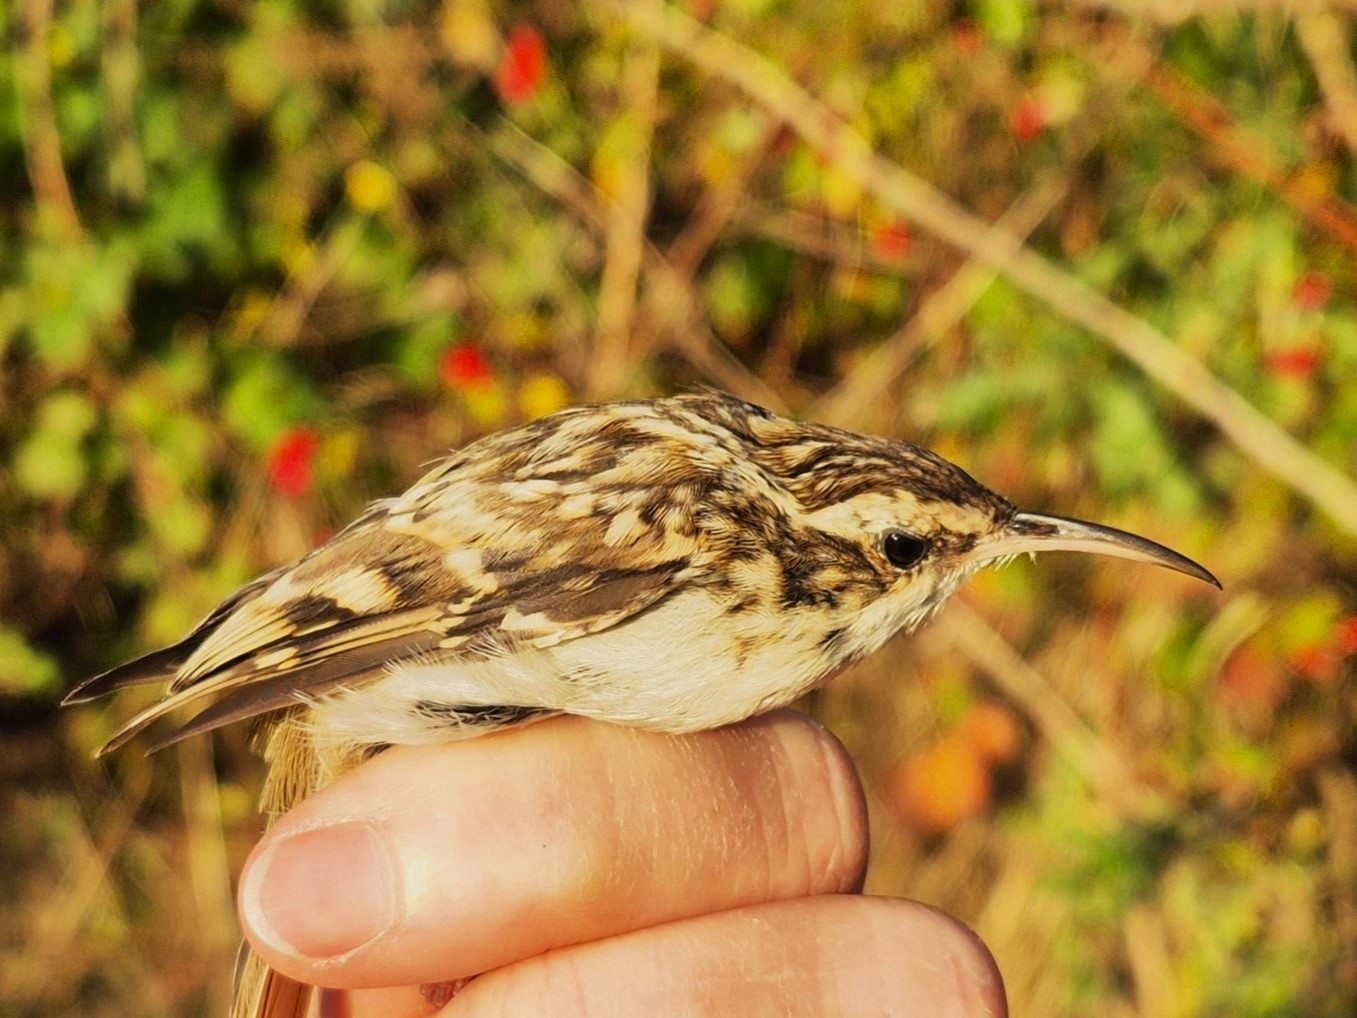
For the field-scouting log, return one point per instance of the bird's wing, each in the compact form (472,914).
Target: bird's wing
(399,584)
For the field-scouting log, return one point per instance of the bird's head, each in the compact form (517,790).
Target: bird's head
(900,529)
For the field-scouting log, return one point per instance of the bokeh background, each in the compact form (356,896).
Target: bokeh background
(260,261)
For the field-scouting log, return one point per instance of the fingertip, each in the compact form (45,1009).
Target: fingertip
(968,967)
(319,894)
(824,761)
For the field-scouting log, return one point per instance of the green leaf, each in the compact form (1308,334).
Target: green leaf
(1006,22)
(50,465)
(68,414)
(23,670)
(265,394)
(734,297)
(74,290)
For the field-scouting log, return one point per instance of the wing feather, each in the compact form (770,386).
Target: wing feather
(307,666)
(161,665)
(531,547)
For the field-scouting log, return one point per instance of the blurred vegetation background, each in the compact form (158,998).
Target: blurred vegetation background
(260,261)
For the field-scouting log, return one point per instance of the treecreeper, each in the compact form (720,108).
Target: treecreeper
(673,564)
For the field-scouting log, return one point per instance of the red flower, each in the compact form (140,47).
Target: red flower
(523,67)
(892,240)
(1345,635)
(291,458)
(1027,119)
(1312,291)
(465,367)
(1316,663)
(1298,362)
(967,37)
(1253,679)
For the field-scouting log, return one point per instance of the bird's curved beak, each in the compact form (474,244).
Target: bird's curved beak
(1033,532)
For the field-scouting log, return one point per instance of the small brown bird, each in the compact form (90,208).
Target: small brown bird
(674,564)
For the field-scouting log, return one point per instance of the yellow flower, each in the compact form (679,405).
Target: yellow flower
(542,394)
(369,187)
(485,406)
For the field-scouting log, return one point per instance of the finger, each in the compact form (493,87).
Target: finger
(831,955)
(430,863)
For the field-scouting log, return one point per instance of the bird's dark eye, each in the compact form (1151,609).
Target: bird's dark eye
(903,550)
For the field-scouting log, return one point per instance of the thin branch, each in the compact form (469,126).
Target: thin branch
(1168,364)
(120,71)
(54,929)
(1338,791)
(681,260)
(668,295)
(625,238)
(209,872)
(720,204)
(1175,12)
(42,141)
(941,312)
(287,313)
(1325,40)
(815,236)
(1149,956)
(1249,155)
(1057,721)
(675,305)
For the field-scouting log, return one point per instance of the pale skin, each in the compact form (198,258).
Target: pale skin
(582,868)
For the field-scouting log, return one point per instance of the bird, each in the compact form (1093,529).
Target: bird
(675,564)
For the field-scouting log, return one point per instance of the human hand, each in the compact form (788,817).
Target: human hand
(583,868)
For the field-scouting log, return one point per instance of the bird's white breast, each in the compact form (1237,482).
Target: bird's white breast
(684,665)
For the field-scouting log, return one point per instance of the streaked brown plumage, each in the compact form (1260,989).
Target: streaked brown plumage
(675,564)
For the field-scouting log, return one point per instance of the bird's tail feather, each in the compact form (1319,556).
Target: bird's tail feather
(294,772)
(260,992)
